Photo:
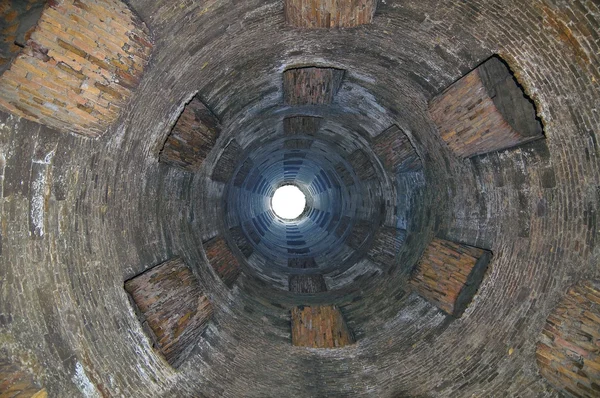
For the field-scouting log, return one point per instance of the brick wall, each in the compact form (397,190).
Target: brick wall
(223,170)
(362,165)
(301,125)
(172,308)
(396,152)
(567,354)
(320,327)
(448,274)
(386,245)
(79,67)
(307,283)
(222,260)
(484,111)
(311,85)
(328,13)
(192,137)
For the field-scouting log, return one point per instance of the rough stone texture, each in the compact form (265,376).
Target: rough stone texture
(362,165)
(328,13)
(307,284)
(79,66)
(15,382)
(302,262)
(222,260)
(319,327)
(485,111)
(448,275)
(567,354)
(311,85)
(386,245)
(301,125)
(172,308)
(192,137)
(227,162)
(108,209)
(396,152)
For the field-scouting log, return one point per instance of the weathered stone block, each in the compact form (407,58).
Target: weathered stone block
(192,137)
(311,85)
(320,327)
(222,260)
(396,152)
(70,74)
(449,274)
(567,354)
(485,111)
(328,13)
(172,308)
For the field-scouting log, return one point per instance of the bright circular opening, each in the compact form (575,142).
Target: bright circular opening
(288,202)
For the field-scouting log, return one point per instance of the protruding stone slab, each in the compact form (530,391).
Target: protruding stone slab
(71,74)
(225,166)
(362,165)
(386,245)
(192,137)
(396,152)
(449,274)
(222,260)
(311,85)
(329,13)
(320,327)
(485,111)
(307,283)
(359,234)
(568,353)
(172,308)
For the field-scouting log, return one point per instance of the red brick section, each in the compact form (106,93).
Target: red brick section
(444,273)
(320,327)
(79,67)
(171,307)
(396,152)
(222,259)
(568,353)
(484,111)
(328,13)
(192,137)
(15,382)
(311,85)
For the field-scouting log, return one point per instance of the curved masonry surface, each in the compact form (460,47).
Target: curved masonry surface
(82,215)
